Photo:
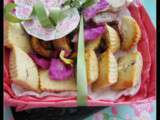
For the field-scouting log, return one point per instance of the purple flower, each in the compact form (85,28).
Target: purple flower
(40,61)
(91,11)
(59,71)
(93,33)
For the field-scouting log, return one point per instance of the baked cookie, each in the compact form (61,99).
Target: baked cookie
(23,70)
(91,66)
(62,43)
(108,72)
(40,49)
(130,32)
(47,84)
(112,39)
(93,44)
(15,35)
(105,17)
(129,70)
(116,5)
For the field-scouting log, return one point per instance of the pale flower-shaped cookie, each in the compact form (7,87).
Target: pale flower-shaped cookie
(67,25)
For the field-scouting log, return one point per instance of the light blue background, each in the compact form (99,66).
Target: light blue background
(123,110)
(150,6)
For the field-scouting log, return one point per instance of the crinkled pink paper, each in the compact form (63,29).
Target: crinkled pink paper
(147,47)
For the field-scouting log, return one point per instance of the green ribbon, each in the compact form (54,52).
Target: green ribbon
(82,90)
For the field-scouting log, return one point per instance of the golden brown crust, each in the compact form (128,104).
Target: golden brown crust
(123,85)
(129,69)
(40,48)
(112,39)
(107,71)
(91,66)
(94,44)
(62,43)
(130,32)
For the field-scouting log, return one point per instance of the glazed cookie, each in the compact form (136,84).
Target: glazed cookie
(62,43)
(40,47)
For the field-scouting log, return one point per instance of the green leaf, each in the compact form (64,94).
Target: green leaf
(41,14)
(88,3)
(79,3)
(9,16)
(56,15)
(76,3)
(105,116)
(82,91)
(68,2)
(82,2)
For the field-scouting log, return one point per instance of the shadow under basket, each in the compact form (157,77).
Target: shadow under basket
(78,113)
